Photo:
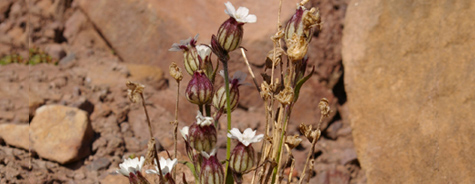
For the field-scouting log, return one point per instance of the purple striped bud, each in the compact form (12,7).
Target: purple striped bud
(190,53)
(219,99)
(242,157)
(230,32)
(200,89)
(202,134)
(211,170)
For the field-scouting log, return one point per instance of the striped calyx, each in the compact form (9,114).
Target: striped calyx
(230,34)
(202,138)
(191,60)
(219,99)
(242,158)
(211,170)
(200,89)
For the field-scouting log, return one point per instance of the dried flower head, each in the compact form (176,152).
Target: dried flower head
(324,107)
(131,166)
(134,91)
(309,133)
(175,72)
(293,141)
(247,137)
(286,96)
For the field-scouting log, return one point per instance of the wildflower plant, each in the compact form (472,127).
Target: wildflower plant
(279,91)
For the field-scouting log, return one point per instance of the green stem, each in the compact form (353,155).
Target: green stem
(228,112)
(286,117)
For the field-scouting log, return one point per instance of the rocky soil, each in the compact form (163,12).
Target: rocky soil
(90,77)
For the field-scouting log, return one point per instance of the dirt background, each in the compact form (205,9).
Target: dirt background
(91,76)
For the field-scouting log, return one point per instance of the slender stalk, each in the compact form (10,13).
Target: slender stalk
(201,108)
(228,113)
(208,109)
(151,137)
(250,70)
(176,126)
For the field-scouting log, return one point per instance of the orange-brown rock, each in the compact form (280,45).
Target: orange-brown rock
(61,133)
(411,89)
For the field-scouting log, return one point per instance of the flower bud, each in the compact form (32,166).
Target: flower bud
(242,158)
(200,89)
(191,60)
(202,134)
(211,170)
(204,59)
(230,34)
(219,99)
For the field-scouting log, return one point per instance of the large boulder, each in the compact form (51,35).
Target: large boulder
(411,89)
(61,133)
(142,31)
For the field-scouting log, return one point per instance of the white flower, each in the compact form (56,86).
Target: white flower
(247,137)
(241,15)
(203,51)
(165,164)
(130,166)
(203,120)
(206,155)
(184,44)
(184,132)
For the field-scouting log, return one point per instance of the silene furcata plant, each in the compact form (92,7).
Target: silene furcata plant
(284,74)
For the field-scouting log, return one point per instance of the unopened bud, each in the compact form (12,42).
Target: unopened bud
(211,170)
(242,158)
(230,34)
(202,134)
(200,89)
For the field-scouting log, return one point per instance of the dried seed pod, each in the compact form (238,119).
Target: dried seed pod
(293,141)
(134,91)
(175,72)
(299,32)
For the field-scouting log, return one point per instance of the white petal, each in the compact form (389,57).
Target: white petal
(257,138)
(230,10)
(235,133)
(248,132)
(204,154)
(242,12)
(184,132)
(250,19)
(151,171)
